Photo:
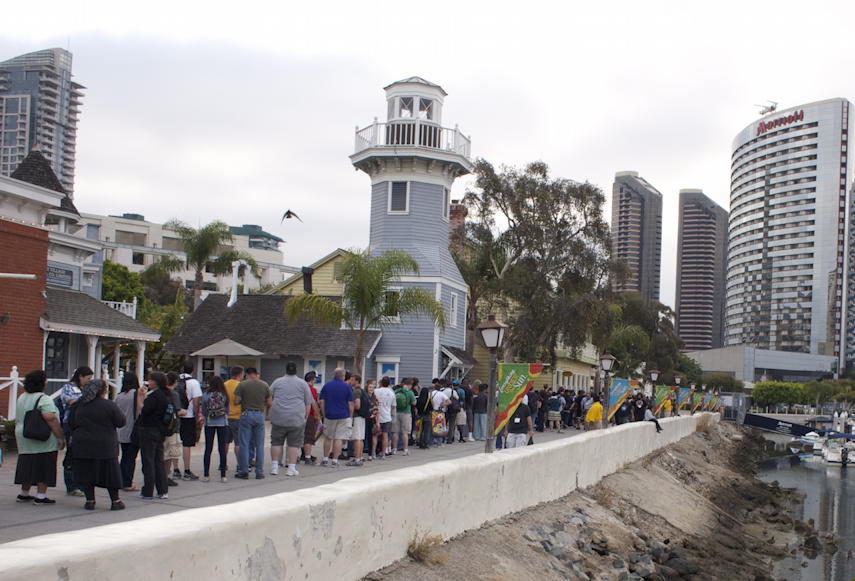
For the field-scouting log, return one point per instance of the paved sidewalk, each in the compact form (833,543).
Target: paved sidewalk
(23,520)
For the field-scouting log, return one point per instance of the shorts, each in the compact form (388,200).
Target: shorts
(358,432)
(234,430)
(188,432)
(553,416)
(293,435)
(338,429)
(403,423)
(385,427)
(172,447)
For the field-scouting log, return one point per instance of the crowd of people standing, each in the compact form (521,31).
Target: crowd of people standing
(161,420)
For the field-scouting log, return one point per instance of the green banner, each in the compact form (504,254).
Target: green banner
(697,400)
(662,394)
(618,392)
(515,379)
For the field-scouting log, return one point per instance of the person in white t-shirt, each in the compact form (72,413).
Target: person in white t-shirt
(386,411)
(193,417)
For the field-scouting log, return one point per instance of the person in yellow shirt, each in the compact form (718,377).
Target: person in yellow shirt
(594,415)
(236,374)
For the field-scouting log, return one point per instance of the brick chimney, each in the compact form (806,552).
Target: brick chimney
(457,219)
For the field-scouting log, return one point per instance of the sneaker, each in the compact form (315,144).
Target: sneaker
(205,479)
(143,497)
(189,476)
(405,453)
(274,469)
(176,474)
(75,493)
(45,500)
(334,464)
(163,497)
(171,482)
(470,438)
(223,479)
(25,498)
(118,505)
(259,476)
(379,456)
(242,476)
(353,462)
(372,458)
(325,463)
(291,472)
(308,461)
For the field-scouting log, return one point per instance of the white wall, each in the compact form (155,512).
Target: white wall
(337,531)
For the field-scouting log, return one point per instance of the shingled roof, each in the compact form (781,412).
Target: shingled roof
(35,169)
(259,322)
(77,312)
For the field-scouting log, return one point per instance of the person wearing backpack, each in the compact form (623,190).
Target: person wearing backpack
(452,409)
(404,400)
(423,409)
(215,410)
(156,418)
(362,414)
(68,396)
(190,392)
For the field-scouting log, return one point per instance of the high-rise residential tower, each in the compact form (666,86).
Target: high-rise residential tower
(39,105)
(789,221)
(637,232)
(701,264)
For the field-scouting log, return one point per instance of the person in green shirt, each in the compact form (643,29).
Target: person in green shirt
(404,400)
(254,397)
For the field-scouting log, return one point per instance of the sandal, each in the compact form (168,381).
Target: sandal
(117,505)
(90,505)
(131,489)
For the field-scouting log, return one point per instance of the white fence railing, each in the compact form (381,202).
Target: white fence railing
(14,382)
(129,309)
(412,132)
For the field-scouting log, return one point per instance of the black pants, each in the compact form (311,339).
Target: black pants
(128,463)
(153,468)
(424,437)
(67,473)
(221,433)
(451,419)
(89,491)
(658,427)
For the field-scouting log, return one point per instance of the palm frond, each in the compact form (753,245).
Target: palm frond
(320,309)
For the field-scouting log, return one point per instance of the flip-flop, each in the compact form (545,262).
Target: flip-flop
(131,489)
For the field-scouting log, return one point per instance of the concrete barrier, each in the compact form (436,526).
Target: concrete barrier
(337,531)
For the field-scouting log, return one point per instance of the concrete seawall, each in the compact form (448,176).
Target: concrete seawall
(337,531)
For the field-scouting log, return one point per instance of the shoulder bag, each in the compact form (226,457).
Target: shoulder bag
(35,426)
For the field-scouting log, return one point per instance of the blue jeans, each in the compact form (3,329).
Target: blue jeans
(251,437)
(480,427)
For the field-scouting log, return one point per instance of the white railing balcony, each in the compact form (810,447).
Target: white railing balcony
(129,309)
(414,133)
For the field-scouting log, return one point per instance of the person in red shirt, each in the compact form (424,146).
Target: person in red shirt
(311,422)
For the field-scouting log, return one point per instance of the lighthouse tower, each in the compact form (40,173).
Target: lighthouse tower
(412,161)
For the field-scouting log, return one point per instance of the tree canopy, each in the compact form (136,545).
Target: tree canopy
(119,283)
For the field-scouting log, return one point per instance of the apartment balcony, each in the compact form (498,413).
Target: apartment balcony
(413,133)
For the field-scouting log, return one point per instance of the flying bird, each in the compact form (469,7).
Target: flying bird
(289,214)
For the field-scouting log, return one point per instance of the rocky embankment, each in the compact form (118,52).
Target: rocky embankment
(692,511)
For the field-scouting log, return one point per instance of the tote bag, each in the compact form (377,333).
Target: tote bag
(439,427)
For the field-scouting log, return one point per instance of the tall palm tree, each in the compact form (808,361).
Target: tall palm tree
(368,300)
(203,249)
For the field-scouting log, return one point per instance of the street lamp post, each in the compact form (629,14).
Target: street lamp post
(654,375)
(675,411)
(607,363)
(492,334)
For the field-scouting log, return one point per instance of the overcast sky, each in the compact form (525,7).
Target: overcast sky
(237,111)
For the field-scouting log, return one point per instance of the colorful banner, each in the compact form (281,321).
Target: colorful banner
(661,396)
(707,401)
(620,389)
(515,379)
(697,400)
(683,397)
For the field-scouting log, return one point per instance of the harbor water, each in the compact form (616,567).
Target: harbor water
(828,490)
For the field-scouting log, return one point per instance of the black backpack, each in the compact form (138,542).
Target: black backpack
(181,390)
(423,403)
(170,420)
(365,405)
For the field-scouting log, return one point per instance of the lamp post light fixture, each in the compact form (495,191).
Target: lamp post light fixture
(654,375)
(493,335)
(607,363)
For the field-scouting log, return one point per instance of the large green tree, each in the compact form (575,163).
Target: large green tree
(167,319)
(369,299)
(204,247)
(542,243)
(119,283)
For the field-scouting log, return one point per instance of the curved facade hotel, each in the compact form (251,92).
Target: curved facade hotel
(788,232)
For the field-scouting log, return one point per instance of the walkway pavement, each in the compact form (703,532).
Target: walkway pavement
(19,520)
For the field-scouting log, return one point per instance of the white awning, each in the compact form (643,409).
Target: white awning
(227,348)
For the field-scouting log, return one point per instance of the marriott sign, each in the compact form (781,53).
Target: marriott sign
(765,126)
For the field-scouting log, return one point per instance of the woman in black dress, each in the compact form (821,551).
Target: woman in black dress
(93,421)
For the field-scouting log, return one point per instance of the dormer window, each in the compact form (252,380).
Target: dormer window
(405,107)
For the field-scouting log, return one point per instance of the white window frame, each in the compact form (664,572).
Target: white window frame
(446,204)
(389,209)
(388,360)
(453,310)
(397,318)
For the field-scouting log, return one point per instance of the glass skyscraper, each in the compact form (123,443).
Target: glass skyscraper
(39,107)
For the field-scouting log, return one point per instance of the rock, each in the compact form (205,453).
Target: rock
(657,551)
(643,570)
(536,534)
(547,546)
(618,563)
(634,557)
(578,521)
(682,566)
(562,539)
(668,573)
